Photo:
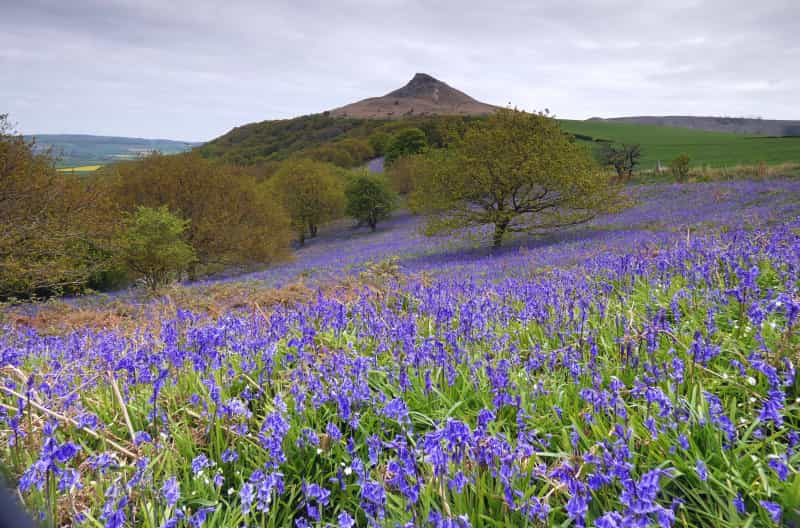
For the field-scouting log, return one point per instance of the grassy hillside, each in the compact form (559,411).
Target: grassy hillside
(705,148)
(271,141)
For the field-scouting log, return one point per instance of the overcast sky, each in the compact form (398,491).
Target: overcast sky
(193,69)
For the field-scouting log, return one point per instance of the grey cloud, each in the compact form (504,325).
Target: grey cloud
(192,70)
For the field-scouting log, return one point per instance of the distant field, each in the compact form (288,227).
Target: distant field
(82,168)
(716,149)
(79,150)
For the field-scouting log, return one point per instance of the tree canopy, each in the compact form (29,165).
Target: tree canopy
(54,228)
(515,171)
(233,219)
(406,142)
(311,193)
(153,246)
(369,198)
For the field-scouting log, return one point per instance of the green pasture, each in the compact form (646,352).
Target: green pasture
(716,149)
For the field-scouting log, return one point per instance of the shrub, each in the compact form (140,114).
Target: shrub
(680,167)
(369,198)
(153,246)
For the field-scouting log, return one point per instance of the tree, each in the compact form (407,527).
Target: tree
(311,193)
(405,142)
(153,246)
(405,171)
(515,171)
(379,141)
(359,149)
(680,167)
(624,158)
(233,219)
(331,153)
(54,227)
(369,198)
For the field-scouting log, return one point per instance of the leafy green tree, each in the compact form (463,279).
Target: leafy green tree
(331,153)
(680,167)
(623,158)
(406,142)
(379,141)
(517,172)
(369,198)
(311,193)
(153,245)
(360,150)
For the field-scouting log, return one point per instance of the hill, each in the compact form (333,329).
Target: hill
(423,95)
(734,125)
(663,143)
(80,150)
(340,135)
(424,102)
(319,136)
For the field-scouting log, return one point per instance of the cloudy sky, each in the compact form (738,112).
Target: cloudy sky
(193,69)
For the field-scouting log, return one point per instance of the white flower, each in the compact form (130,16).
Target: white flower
(751,399)
(319,451)
(348,471)
(751,380)
(231,491)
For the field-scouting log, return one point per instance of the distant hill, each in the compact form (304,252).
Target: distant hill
(423,95)
(735,125)
(424,102)
(72,150)
(342,135)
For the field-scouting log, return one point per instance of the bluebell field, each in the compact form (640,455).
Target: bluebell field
(639,371)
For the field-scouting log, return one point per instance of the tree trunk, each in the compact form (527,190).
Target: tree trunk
(312,230)
(499,232)
(302,237)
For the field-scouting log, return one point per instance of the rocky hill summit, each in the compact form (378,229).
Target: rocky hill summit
(423,95)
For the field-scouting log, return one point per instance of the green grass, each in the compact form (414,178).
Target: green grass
(716,149)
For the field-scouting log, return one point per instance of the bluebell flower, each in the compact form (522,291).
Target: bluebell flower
(171,491)
(702,471)
(773,509)
(345,520)
(738,503)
